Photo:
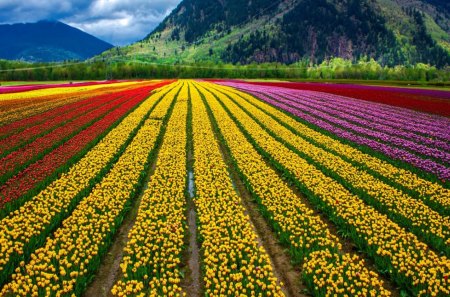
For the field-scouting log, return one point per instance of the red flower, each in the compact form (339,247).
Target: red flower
(413,99)
(119,105)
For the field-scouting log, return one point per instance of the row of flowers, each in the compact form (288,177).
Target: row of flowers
(327,270)
(79,109)
(37,175)
(33,110)
(374,119)
(13,105)
(20,109)
(37,94)
(152,256)
(409,262)
(433,194)
(234,264)
(24,123)
(67,261)
(361,127)
(407,120)
(27,228)
(17,160)
(385,115)
(428,105)
(400,207)
(395,153)
(33,87)
(437,150)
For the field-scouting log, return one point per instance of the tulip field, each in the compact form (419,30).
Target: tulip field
(223,188)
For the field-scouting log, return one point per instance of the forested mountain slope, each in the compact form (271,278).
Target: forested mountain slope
(245,31)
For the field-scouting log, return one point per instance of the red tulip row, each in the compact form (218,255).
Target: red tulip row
(63,156)
(64,117)
(22,124)
(35,109)
(18,114)
(431,101)
(16,160)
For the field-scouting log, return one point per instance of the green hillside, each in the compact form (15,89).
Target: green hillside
(255,31)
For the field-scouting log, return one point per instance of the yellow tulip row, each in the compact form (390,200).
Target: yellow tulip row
(428,191)
(22,229)
(54,100)
(419,217)
(22,112)
(59,91)
(233,262)
(410,262)
(306,233)
(69,257)
(151,262)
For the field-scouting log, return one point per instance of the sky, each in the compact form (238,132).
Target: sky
(118,22)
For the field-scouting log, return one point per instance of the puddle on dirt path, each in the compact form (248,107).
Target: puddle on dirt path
(192,281)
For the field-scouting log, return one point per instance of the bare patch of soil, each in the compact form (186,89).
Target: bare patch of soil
(191,283)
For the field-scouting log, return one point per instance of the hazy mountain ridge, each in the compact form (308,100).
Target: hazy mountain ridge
(48,41)
(234,31)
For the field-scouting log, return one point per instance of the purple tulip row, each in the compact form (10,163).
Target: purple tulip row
(411,120)
(396,153)
(367,132)
(440,126)
(436,148)
(411,115)
(357,125)
(438,136)
(431,126)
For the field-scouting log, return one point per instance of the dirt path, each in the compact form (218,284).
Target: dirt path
(109,270)
(192,283)
(282,266)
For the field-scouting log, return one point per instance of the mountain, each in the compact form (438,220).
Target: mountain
(48,41)
(392,32)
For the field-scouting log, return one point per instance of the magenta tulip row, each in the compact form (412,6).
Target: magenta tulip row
(344,129)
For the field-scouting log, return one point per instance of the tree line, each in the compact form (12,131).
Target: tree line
(335,68)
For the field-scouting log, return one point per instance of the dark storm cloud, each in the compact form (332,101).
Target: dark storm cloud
(116,21)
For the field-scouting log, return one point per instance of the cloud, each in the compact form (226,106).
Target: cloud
(119,22)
